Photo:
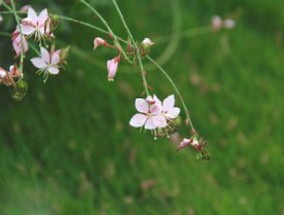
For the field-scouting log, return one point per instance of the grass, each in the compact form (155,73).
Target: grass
(68,149)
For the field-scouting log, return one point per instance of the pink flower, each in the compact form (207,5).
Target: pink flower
(35,24)
(216,23)
(98,42)
(112,67)
(19,42)
(47,62)
(150,114)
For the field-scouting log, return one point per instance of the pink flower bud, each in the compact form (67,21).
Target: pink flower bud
(147,42)
(25,8)
(112,67)
(99,42)
(216,23)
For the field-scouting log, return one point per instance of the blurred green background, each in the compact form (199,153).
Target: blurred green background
(67,147)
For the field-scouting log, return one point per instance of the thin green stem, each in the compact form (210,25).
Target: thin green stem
(115,38)
(12,9)
(142,70)
(186,110)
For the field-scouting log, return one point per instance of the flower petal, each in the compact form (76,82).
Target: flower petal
(32,15)
(45,55)
(159,121)
(169,103)
(149,125)
(173,113)
(27,28)
(38,63)
(138,120)
(42,17)
(55,57)
(53,70)
(142,105)
(157,100)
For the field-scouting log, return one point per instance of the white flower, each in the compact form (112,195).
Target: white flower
(229,23)
(150,114)
(47,62)
(35,24)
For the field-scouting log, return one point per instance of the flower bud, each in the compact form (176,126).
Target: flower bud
(20,90)
(146,43)
(112,67)
(99,42)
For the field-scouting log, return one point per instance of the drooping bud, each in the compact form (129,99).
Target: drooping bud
(112,66)
(98,41)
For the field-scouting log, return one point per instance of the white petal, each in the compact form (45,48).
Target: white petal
(45,55)
(157,100)
(142,105)
(42,17)
(169,103)
(32,15)
(53,70)
(138,120)
(55,57)
(173,113)
(159,121)
(149,125)
(27,29)
(38,63)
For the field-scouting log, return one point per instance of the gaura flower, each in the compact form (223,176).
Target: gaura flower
(150,114)
(112,67)
(98,42)
(35,24)
(19,42)
(48,62)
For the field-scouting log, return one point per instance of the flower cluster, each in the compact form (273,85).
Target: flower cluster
(218,23)
(40,28)
(154,114)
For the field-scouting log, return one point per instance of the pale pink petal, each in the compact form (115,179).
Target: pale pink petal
(38,63)
(53,70)
(156,109)
(149,125)
(55,57)
(32,15)
(159,121)
(42,17)
(99,41)
(138,120)
(45,55)
(169,103)
(27,28)
(184,143)
(157,100)
(142,105)
(173,113)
